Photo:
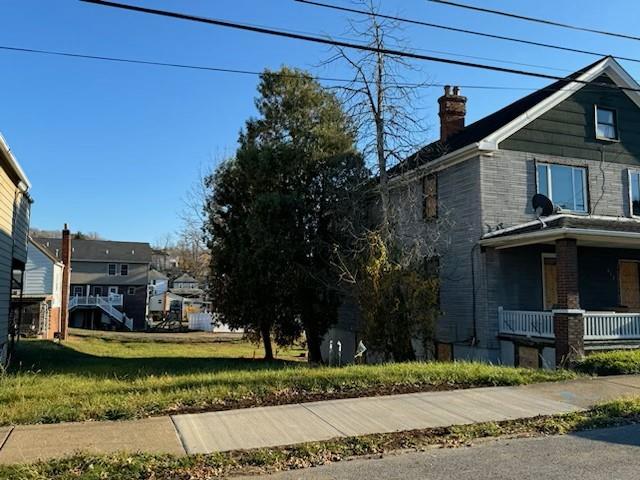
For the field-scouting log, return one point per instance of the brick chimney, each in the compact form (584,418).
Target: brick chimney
(66,282)
(453,108)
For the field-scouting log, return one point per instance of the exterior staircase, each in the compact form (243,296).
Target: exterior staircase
(106,304)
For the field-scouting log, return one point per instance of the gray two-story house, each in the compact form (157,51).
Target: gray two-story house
(525,286)
(109,282)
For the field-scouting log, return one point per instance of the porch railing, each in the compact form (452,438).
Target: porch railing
(611,326)
(107,304)
(527,323)
(114,299)
(597,325)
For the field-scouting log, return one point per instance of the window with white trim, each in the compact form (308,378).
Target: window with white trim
(606,124)
(124,269)
(112,269)
(565,185)
(131,290)
(634,193)
(78,291)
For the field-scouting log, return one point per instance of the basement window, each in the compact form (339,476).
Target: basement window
(606,124)
(566,186)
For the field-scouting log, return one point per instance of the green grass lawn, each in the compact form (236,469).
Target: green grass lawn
(111,377)
(618,362)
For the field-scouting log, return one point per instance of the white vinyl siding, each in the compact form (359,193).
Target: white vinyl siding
(39,272)
(56,300)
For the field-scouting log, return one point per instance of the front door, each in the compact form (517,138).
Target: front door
(549,281)
(629,279)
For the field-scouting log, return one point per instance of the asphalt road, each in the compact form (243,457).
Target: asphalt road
(598,454)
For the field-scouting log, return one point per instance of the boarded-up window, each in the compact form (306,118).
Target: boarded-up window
(430,193)
(528,357)
(629,278)
(432,271)
(432,266)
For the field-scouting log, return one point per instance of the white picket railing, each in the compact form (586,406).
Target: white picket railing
(114,299)
(530,324)
(107,304)
(597,325)
(611,326)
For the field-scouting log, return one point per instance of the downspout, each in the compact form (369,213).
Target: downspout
(474,317)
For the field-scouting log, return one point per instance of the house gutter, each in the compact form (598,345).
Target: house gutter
(446,161)
(553,234)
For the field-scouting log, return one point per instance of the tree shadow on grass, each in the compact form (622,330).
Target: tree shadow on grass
(50,358)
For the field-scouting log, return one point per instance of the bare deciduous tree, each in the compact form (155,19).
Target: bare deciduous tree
(383,104)
(390,270)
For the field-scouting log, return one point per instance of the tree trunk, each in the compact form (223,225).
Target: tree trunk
(313,345)
(265,331)
(380,137)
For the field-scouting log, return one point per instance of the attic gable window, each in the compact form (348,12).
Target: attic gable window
(606,124)
(565,185)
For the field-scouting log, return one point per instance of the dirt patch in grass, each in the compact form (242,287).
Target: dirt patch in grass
(269,460)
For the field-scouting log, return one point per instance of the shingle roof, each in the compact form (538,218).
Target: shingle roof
(185,278)
(43,249)
(586,222)
(156,275)
(101,250)
(482,128)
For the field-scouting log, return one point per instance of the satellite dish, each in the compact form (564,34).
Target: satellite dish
(542,205)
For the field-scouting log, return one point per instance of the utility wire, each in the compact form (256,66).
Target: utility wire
(464,30)
(234,70)
(536,20)
(354,46)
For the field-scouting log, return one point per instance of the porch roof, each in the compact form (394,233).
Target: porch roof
(588,230)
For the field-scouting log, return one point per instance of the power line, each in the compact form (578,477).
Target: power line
(238,71)
(338,43)
(464,30)
(536,20)
(231,70)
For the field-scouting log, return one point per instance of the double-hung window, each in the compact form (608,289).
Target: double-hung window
(566,186)
(634,192)
(124,269)
(606,124)
(112,269)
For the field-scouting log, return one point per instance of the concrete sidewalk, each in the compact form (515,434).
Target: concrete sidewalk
(289,424)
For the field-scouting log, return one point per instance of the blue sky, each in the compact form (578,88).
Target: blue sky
(112,148)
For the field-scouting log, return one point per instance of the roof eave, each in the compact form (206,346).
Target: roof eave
(446,161)
(15,166)
(613,239)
